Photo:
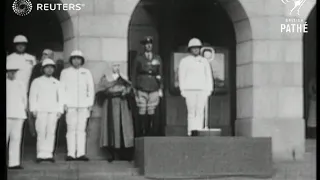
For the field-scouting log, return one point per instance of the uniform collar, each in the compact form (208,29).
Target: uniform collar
(45,77)
(79,69)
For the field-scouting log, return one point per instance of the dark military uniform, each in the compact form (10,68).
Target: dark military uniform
(147,80)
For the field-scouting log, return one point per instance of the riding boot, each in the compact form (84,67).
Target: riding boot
(143,120)
(150,125)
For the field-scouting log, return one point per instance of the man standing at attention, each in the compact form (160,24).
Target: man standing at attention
(78,86)
(148,84)
(16,106)
(27,61)
(46,104)
(196,84)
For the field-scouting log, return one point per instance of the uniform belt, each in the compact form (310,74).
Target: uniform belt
(148,74)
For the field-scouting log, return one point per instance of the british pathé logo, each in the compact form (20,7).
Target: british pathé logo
(294,25)
(297,5)
(22,7)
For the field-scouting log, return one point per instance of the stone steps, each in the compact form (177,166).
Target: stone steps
(74,170)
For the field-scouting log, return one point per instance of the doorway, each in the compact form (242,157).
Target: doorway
(173,23)
(310,74)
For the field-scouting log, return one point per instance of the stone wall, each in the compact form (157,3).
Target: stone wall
(269,63)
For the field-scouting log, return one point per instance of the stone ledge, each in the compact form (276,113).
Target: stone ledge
(203,157)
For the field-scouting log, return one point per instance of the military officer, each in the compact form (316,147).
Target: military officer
(148,84)
(79,92)
(196,84)
(46,104)
(16,106)
(27,61)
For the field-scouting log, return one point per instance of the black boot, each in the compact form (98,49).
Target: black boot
(149,124)
(143,125)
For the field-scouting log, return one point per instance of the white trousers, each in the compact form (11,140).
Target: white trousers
(46,124)
(76,131)
(196,101)
(14,136)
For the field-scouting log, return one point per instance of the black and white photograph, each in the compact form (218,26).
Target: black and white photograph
(161,89)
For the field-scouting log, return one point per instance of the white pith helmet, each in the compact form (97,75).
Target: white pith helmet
(20,39)
(76,53)
(194,42)
(47,62)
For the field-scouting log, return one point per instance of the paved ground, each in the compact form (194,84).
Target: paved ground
(121,170)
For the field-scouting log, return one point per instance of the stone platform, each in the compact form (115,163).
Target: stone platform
(203,157)
(102,170)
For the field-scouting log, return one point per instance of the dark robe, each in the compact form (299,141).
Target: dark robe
(116,120)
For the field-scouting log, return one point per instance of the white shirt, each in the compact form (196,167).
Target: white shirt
(195,74)
(46,95)
(16,99)
(27,63)
(78,86)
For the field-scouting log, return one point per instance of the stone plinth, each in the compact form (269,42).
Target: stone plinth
(203,157)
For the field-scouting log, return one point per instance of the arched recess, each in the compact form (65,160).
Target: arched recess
(309,69)
(44,29)
(225,24)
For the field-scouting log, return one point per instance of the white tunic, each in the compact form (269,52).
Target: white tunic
(78,86)
(16,99)
(46,95)
(195,74)
(27,63)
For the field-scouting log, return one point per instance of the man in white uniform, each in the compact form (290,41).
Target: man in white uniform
(27,61)
(196,84)
(46,104)
(16,113)
(79,92)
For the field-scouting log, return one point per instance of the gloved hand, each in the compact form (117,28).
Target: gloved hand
(160,93)
(208,93)
(183,94)
(35,113)
(59,115)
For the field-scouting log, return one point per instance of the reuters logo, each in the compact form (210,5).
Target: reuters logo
(22,7)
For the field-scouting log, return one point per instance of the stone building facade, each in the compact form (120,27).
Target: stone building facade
(268,83)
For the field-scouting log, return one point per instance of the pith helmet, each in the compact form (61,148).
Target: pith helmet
(20,39)
(146,40)
(13,64)
(194,42)
(48,62)
(76,53)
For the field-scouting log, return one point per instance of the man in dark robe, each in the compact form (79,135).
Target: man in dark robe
(117,134)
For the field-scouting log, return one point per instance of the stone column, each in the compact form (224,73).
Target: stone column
(269,80)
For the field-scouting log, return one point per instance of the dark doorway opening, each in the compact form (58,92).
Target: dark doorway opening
(310,74)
